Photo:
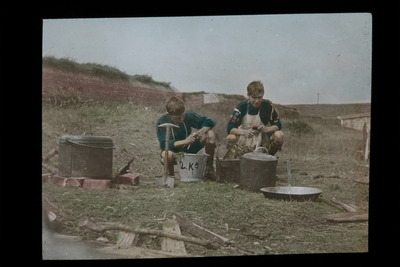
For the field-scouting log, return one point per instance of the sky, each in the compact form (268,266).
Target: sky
(300,58)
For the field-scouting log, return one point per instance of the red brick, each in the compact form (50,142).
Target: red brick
(128,178)
(58,180)
(75,181)
(97,183)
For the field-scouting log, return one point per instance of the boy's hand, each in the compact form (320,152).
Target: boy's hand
(190,139)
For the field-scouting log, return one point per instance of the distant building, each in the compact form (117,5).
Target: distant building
(198,99)
(356,121)
(360,122)
(211,98)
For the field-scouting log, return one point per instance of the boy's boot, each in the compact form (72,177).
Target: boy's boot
(210,172)
(274,148)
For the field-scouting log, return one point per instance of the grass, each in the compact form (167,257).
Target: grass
(130,127)
(323,155)
(327,139)
(248,219)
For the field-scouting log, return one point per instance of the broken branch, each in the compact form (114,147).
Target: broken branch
(117,226)
(344,206)
(348,217)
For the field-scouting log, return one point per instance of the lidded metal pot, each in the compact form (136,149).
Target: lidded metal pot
(257,170)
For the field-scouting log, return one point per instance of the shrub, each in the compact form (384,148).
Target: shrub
(105,71)
(298,127)
(146,79)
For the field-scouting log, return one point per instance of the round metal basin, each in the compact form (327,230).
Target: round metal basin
(292,193)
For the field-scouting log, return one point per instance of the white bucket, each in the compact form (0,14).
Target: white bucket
(192,167)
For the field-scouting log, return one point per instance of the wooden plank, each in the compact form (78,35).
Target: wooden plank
(127,239)
(367,144)
(172,245)
(139,252)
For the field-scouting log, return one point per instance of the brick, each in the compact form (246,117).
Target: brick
(46,177)
(128,178)
(58,180)
(75,181)
(97,183)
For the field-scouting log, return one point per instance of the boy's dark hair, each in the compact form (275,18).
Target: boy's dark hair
(175,106)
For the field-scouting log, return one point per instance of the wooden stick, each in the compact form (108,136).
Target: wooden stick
(200,231)
(49,168)
(117,226)
(345,206)
(50,154)
(348,217)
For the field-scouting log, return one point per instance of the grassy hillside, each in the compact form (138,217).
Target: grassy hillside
(332,110)
(98,70)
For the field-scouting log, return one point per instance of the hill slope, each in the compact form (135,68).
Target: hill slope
(65,82)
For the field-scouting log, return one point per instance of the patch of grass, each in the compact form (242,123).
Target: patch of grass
(299,127)
(130,127)
(147,79)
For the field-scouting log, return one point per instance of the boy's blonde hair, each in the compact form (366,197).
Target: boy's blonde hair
(255,88)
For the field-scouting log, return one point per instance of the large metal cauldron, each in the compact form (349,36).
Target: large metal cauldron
(257,170)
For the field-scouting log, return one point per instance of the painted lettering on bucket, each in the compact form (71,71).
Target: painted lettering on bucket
(190,166)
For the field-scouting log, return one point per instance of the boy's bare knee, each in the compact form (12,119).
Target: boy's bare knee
(211,138)
(171,157)
(278,137)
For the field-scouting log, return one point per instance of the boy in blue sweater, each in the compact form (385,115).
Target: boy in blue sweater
(182,139)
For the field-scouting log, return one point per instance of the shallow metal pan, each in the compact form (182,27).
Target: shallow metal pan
(291,193)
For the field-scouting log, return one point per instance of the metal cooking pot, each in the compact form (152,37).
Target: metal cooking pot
(291,193)
(257,170)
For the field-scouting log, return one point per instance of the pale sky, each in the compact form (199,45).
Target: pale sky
(296,56)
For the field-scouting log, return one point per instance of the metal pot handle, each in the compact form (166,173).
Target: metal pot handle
(258,149)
